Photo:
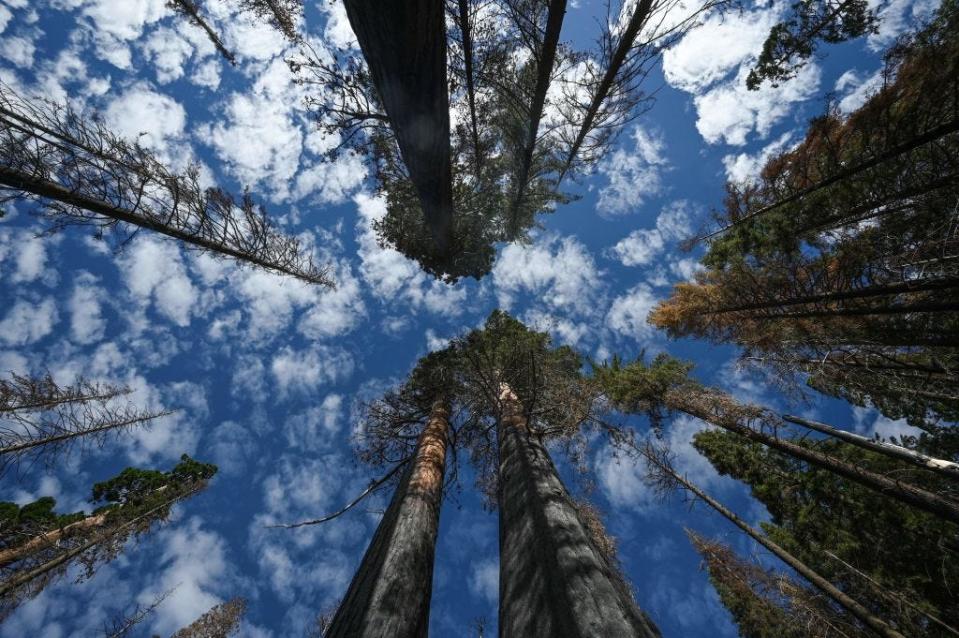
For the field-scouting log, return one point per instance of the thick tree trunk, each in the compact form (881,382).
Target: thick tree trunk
(466,29)
(390,593)
(554,582)
(940,466)
(685,400)
(544,70)
(404,43)
(846,602)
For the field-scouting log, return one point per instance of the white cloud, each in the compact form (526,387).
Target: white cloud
(897,17)
(392,277)
(207,74)
(558,272)
(744,166)
(154,272)
(484,579)
(305,370)
(316,429)
(622,478)
(712,61)
(628,312)
(29,254)
(640,247)
(856,89)
(632,176)
(27,323)
(155,120)
(86,319)
(19,50)
(869,422)
(169,53)
(113,24)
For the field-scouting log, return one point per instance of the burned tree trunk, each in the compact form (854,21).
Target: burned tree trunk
(554,582)
(390,593)
(404,44)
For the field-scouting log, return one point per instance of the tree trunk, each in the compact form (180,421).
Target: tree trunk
(51,190)
(544,69)
(390,593)
(466,29)
(638,19)
(940,131)
(46,539)
(58,438)
(940,466)
(554,582)
(916,285)
(706,409)
(847,603)
(189,9)
(404,44)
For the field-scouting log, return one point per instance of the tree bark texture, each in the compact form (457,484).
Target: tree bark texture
(554,582)
(52,537)
(390,593)
(404,44)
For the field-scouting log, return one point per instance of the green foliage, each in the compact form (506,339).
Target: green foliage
(19,524)
(813,511)
(640,387)
(793,41)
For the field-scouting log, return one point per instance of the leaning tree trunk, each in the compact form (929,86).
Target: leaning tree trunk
(554,582)
(404,44)
(940,466)
(50,538)
(390,593)
(708,409)
(841,598)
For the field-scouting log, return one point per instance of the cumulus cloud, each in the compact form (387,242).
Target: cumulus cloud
(640,247)
(484,579)
(86,319)
(712,62)
(632,176)
(154,273)
(743,167)
(856,88)
(27,322)
(627,314)
(155,120)
(305,370)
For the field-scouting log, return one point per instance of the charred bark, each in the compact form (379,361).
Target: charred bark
(554,582)
(404,44)
(390,593)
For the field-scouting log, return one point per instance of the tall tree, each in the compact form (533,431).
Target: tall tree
(404,44)
(390,592)
(38,544)
(43,420)
(220,621)
(837,261)
(664,385)
(662,473)
(83,174)
(769,605)
(555,580)
(814,511)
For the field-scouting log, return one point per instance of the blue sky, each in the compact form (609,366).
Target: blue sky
(267,372)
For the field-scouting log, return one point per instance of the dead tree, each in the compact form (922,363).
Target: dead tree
(41,420)
(189,10)
(83,174)
(404,44)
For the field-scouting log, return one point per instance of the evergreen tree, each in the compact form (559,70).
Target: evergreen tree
(814,511)
(765,604)
(37,544)
(837,261)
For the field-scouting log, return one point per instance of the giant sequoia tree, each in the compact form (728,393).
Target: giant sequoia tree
(37,544)
(839,259)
